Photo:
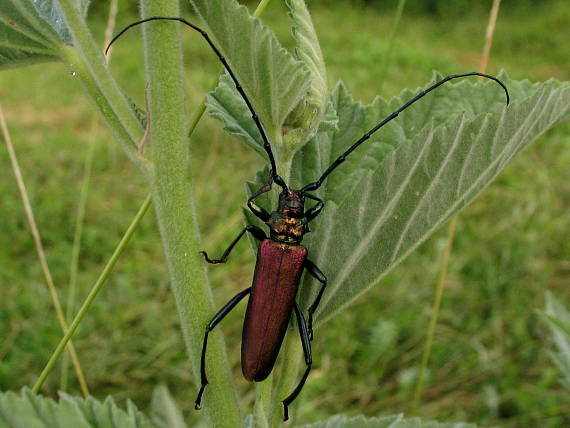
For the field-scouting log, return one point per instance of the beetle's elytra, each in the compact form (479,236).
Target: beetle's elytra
(275,282)
(281,259)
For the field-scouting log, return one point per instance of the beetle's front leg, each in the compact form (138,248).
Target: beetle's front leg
(254,230)
(315,210)
(259,212)
(320,276)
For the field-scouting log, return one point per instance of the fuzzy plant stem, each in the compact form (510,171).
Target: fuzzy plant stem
(85,61)
(173,200)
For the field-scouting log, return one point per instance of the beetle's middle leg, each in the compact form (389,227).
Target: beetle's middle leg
(306,342)
(215,320)
(320,276)
(254,230)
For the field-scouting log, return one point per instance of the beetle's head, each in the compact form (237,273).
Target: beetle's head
(292,203)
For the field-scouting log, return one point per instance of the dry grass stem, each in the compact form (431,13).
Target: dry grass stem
(451,232)
(40,250)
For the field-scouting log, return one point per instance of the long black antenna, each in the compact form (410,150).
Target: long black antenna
(276,178)
(315,185)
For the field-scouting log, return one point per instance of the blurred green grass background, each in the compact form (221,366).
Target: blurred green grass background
(489,363)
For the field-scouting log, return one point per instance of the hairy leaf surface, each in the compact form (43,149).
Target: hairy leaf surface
(229,107)
(30,30)
(558,318)
(304,120)
(431,174)
(273,80)
(28,410)
(396,421)
(165,411)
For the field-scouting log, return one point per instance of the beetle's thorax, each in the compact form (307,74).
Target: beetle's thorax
(288,223)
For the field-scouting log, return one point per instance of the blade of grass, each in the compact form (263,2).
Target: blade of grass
(391,43)
(73,268)
(92,294)
(490,31)
(110,27)
(261,7)
(40,250)
(84,192)
(435,314)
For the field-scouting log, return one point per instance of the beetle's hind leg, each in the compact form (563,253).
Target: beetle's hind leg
(215,320)
(306,342)
(320,276)
(254,230)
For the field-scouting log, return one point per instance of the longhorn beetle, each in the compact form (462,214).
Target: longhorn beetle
(281,258)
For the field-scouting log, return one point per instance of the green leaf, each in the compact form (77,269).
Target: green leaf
(165,411)
(395,190)
(225,104)
(439,162)
(230,108)
(273,80)
(558,319)
(31,30)
(304,120)
(396,421)
(20,40)
(354,120)
(27,410)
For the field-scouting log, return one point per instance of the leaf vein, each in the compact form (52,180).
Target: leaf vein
(434,181)
(360,250)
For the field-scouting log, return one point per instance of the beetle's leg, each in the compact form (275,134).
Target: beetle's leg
(320,276)
(306,342)
(254,230)
(256,209)
(215,320)
(315,210)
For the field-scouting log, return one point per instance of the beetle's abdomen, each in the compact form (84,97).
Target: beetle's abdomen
(275,282)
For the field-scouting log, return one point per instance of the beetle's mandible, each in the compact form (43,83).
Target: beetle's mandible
(281,259)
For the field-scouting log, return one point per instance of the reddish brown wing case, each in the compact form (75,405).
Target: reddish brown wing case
(275,282)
